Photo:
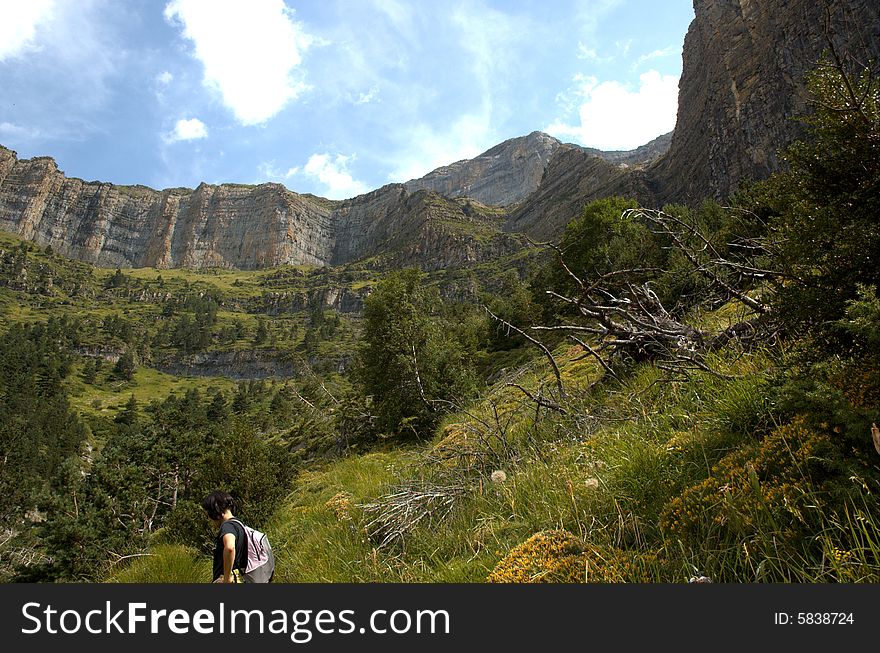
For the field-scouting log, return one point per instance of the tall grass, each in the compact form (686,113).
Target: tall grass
(164,564)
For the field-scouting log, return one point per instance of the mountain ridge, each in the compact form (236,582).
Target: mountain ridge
(251,226)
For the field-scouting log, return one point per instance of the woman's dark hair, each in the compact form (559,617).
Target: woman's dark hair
(216,503)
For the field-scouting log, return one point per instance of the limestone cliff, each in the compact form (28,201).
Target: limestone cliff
(135,226)
(742,86)
(511,171)
(234,225)
(741,92)
(503,175)
(574,178)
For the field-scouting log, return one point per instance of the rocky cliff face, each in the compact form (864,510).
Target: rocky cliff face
(574,178)
(743,83)
(742,86)
(233,225)
(135,226)
(510,172)
(646,153)
(504,175)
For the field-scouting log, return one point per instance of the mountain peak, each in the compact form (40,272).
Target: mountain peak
(503,175)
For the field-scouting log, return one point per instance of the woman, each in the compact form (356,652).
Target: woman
(230,554)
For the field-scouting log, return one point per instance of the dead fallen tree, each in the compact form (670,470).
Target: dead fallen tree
(618,316)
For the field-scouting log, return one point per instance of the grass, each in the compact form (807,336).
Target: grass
(608,473)
(312,541)
(109,394)
(164,564)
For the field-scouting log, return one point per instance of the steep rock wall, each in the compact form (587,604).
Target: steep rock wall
(229,226)
(742,86)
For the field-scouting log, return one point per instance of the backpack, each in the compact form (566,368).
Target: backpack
(260,561)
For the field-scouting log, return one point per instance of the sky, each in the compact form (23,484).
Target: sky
(331,97)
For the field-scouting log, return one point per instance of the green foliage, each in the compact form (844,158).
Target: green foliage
(261,333)
(409,363)
(117,280)
(150,477)
(603,240)
(862,319)
(514,303)
(129,414)
(599,241)
(770,499)
(38,429)
(125,366)
(609,240)
(823,211)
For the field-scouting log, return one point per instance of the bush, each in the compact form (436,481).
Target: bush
(771,494)
(410,363)
(559,557)
(823,211)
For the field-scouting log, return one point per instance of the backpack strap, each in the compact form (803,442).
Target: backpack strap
(257,544)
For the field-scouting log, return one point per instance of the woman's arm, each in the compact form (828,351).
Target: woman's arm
(228,556)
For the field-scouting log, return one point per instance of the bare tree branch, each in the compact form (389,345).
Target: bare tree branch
(537,343)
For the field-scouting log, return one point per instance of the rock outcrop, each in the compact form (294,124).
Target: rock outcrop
(237,226)
(503,175)
(238,365)
(742,89)
(742,86)
(647,153)
(574,178)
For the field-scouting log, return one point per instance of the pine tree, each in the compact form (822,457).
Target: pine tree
(125,367)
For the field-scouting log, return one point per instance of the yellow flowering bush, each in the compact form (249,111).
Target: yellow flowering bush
(769,484)
(860,385)
(558,556)
(340,504)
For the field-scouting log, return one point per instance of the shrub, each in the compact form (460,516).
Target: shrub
(771,487)
(559,557)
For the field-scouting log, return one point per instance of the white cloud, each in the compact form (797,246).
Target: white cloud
(586,53)
(483,33)
(429,149)
(401,15)
(187,130)
(269,172)
(657,54)
(333,172)
(250,52)
(623,46)
(164,78)
(67,56)
(18,132)
(18,24)
(614,116)
(365,98)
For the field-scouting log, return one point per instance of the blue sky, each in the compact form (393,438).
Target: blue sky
(332,97)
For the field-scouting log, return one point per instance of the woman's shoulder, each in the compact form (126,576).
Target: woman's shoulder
(231,526)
